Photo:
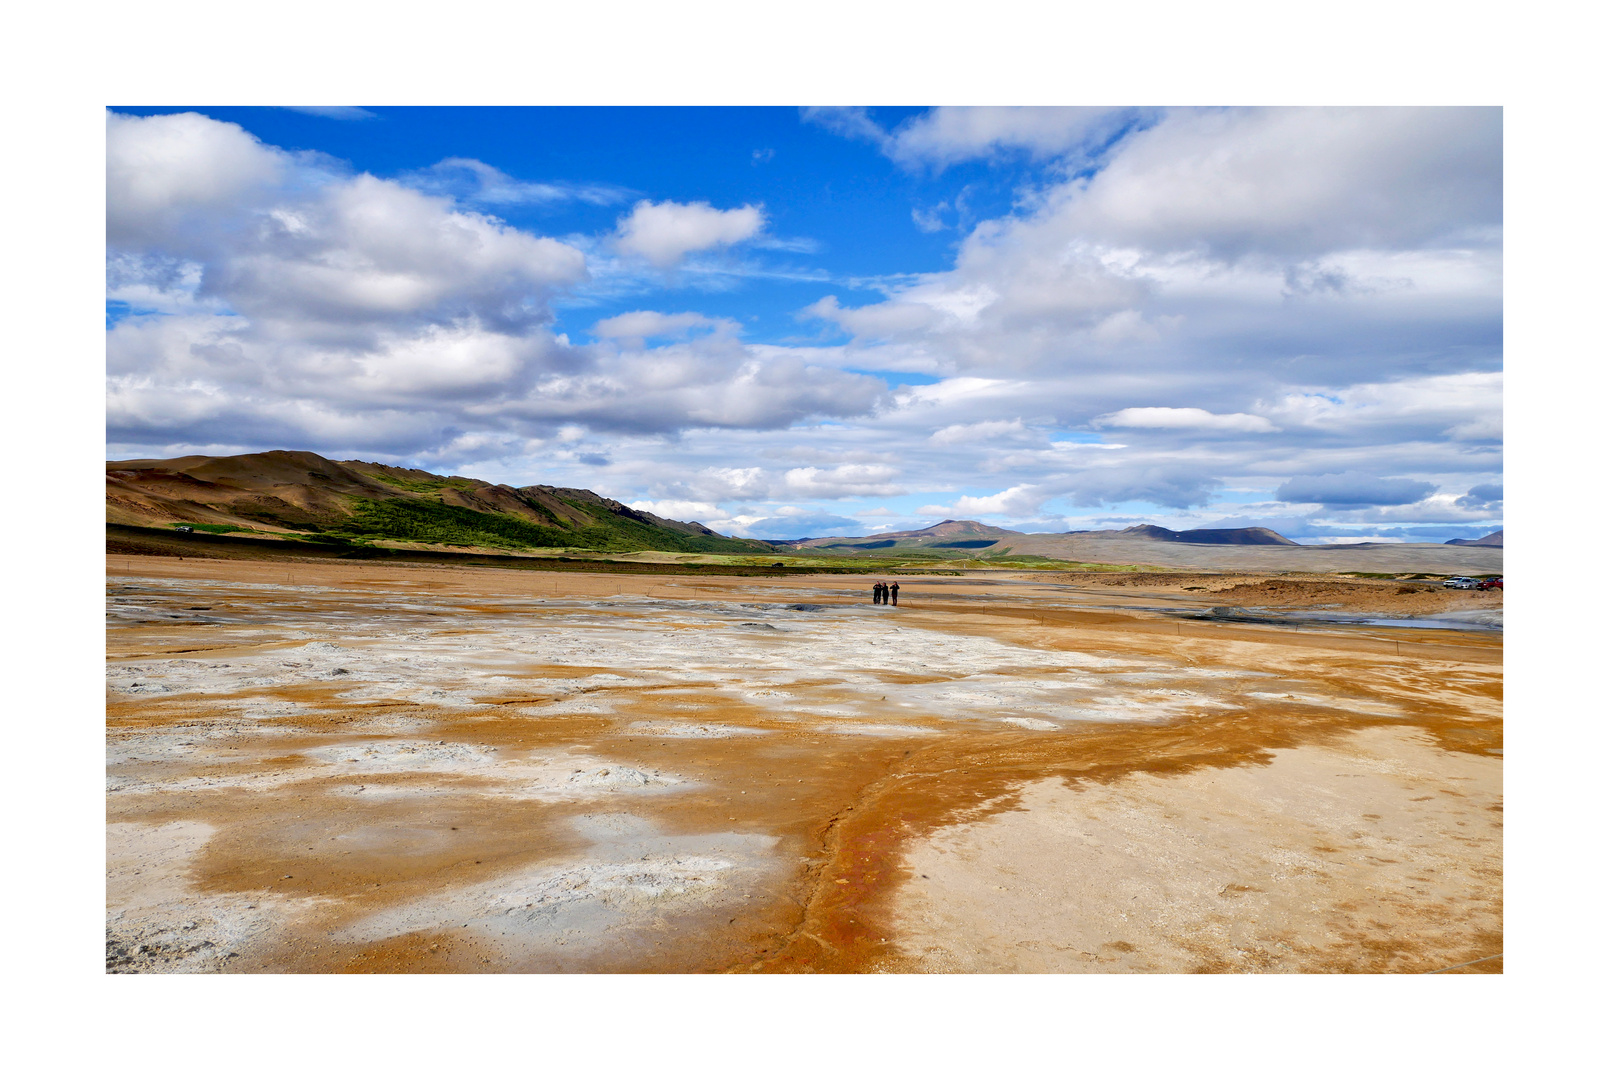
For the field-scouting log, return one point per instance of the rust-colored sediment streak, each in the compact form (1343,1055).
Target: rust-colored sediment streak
(847,925)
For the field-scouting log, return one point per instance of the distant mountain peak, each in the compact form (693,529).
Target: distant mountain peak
(1256,535)
(1489,540)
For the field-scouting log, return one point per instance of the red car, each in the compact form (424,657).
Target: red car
(1490,583)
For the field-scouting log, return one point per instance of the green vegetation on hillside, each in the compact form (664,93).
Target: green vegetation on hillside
(431,522)
(203,526)
(430,486)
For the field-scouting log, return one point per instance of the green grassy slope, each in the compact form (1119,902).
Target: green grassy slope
(431,521)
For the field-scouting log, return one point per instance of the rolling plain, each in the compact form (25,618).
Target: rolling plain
(339,766)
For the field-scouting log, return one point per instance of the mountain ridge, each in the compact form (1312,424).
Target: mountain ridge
(974,535)
(1489,540)
(1255,534)
(300,492)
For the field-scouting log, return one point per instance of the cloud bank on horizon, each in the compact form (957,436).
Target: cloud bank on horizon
(788,323)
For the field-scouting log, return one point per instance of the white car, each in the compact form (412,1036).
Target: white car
(1459,583)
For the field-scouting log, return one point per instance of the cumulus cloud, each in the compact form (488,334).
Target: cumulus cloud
(1181,249)
(1353,489)
(166,171)
(295,303)
(1024,499)
(1331,277)
(676,387)
(1483,499)
(779,523)
(984,431)
(368,250)
(1183,310)
(843,481)
(1187,419)
(949,134)
(1297,181)
(876,321)
(634,327)
(1177,484)
(1466,406)
(665,233)
(718,484)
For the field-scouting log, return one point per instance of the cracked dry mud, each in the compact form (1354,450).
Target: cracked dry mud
(356,768)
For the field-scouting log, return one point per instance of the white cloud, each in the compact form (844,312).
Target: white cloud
(475,181)
(983,431)
(875,321)
(682,386)
(1021,500)
(162,169)
(1185,419)
(929,221)
(1484,429)
(303,304)
(333,112)
(843,481)
(680,509)
(949,134)
(1465,406)
(1294,181)
(1329,281)
(633,327)
(367,249)
(1438,508)
(667,232)
(724,483)
(853,123)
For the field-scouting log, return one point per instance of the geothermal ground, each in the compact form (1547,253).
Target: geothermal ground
(324,768)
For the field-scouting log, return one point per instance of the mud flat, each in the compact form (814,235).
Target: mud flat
(383,768)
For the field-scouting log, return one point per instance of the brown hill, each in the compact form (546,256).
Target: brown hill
(289,491)
(1489,540)
(1254,535)
(945,532)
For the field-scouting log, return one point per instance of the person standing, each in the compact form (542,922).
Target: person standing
(877,592)
(893,593)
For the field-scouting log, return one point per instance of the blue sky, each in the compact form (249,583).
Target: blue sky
(788,322)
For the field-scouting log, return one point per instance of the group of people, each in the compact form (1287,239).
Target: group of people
(884,593)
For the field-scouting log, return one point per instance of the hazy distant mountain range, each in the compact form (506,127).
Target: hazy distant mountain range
(975,539)
(1490,540)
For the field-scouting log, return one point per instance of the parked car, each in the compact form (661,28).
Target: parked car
(1490,583)
(1459,583)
